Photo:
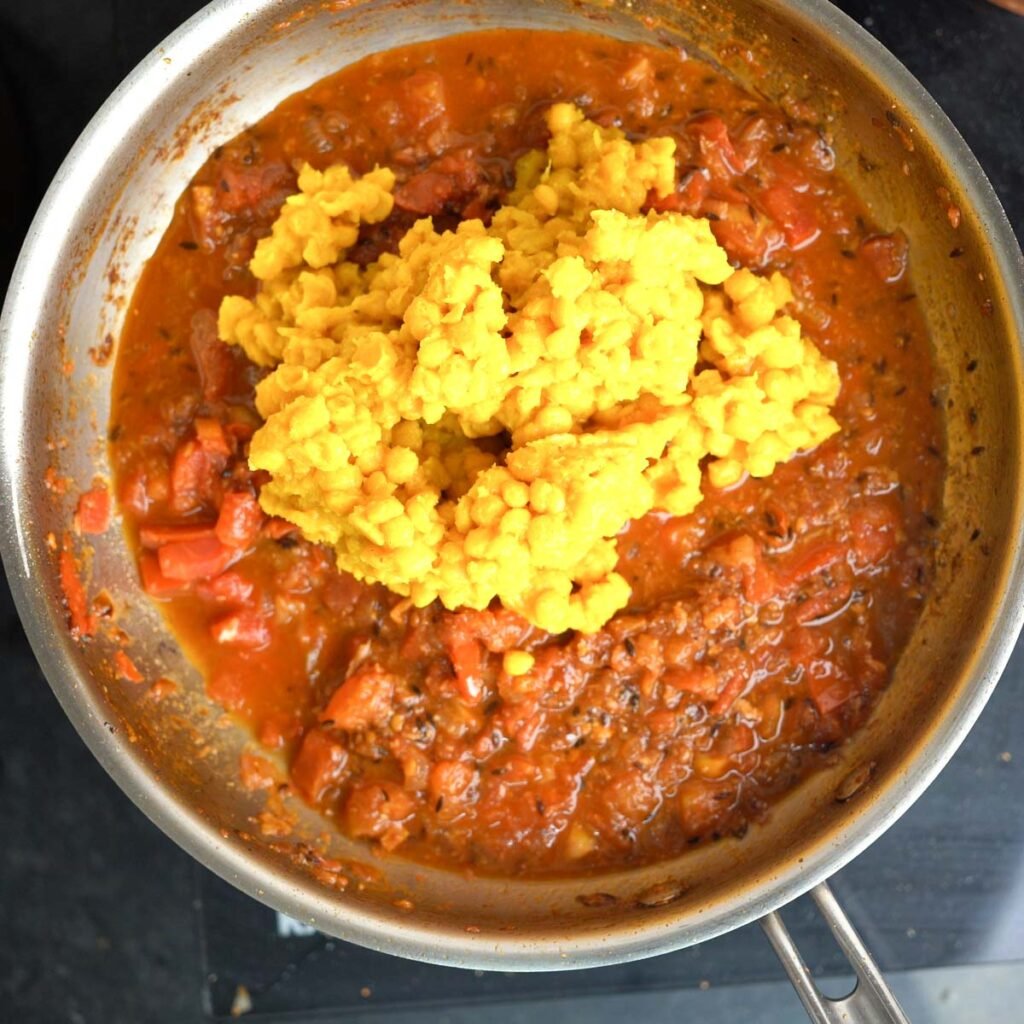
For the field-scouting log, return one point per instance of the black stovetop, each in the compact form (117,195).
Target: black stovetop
(105,920)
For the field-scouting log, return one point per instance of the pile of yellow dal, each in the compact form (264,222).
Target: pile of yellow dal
(573,323)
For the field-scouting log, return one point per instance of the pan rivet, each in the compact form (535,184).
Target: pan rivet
(597,899)
(854,782)
(660,894)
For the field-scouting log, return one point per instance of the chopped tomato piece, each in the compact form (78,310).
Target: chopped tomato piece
(794,213)
(256,772)
(242,187)
(83,623)
(126,668)
(278,729)
(427,193)
(154,582)
(824,605)
(787,172)
(377,809)
(710,765)
(744,553)
(153,535)
(726,612)
(663,204)
(466,657)
(692,191)
(746,238)
(194,475)
(240,519)
(752,140)
(341,592)
(229,685)
(362,701)
(451,787)
(801,647)
(213,358)
(630,798)
(873,530)
(713,136)
(211,437)
(810,563)
(318,765)
(451,181)
(735,739)
(194,559)
(498,629)
(760,585)
(700,805)
(228,586)
(415,769)
(731,692)
(638,73)
(208,222)
(133,493)
(701,680)
(830,693)
(732,743)
(522,722)
(694,188)
(423,97)
(886,255)
(245,628)
(92,514)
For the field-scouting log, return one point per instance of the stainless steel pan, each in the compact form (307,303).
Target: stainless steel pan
(102,218)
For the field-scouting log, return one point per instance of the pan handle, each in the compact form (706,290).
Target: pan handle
(871,1001)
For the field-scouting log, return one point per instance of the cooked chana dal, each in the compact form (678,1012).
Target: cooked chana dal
(542,456)
(571,323)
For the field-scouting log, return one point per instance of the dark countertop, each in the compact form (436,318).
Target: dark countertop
(99,909)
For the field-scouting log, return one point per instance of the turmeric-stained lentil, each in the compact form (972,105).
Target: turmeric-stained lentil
(573,322)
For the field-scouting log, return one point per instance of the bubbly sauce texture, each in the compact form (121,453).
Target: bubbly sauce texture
(761,627)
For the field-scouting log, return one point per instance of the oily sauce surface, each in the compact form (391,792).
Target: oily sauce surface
(762,627)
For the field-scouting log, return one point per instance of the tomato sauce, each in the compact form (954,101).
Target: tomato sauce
(761,628)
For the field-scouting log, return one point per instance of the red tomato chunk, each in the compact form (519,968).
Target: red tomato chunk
(319,765)
(243,629)
(240,519)
(126,668)
(198,559)
(93,512)
(363,700)
(83,623)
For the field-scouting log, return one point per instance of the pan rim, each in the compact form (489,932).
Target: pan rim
(354,922)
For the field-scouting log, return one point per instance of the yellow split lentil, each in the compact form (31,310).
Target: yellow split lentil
(618,350)
(517,663)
